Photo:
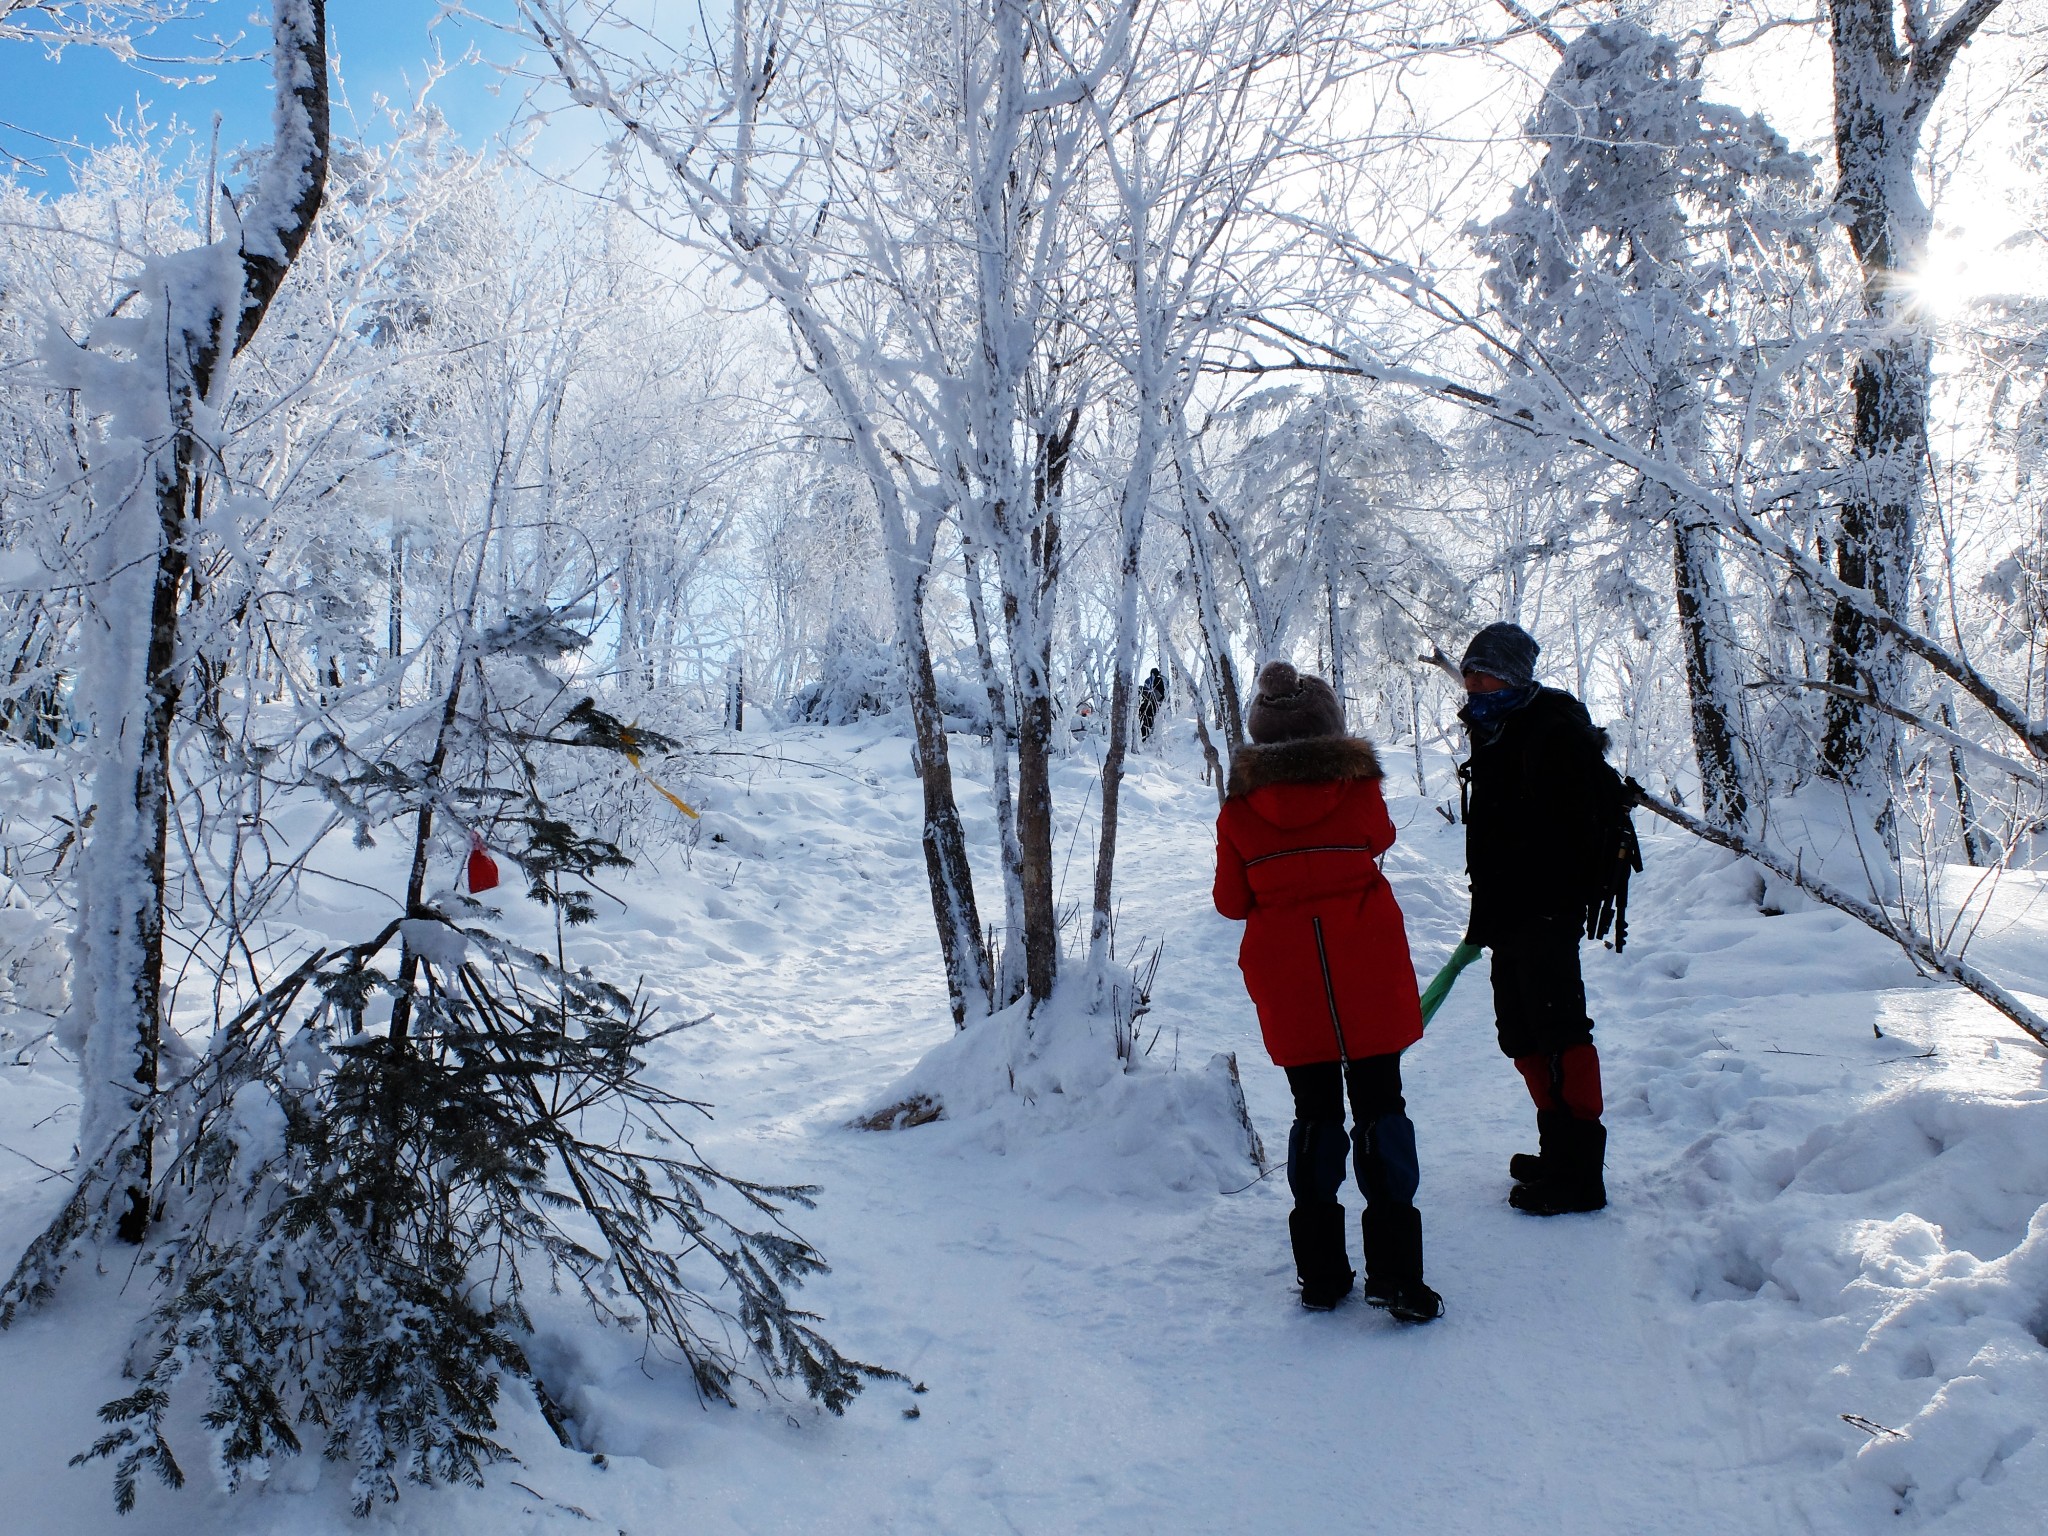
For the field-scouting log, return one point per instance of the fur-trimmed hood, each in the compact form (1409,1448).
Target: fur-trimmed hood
(1311,760)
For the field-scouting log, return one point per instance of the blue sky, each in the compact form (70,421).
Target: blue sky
(380,44)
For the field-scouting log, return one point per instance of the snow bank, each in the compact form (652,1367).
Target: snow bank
(1828,1178)
(1053,1080)
(1855,1206)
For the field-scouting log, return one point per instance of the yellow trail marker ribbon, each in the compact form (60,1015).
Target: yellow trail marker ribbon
(673,799)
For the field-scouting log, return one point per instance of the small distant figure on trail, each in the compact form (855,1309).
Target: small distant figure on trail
(1534,817)
(1151,694)
(735,693)
(1325,958)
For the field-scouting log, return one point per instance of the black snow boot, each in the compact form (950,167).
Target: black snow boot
(1572,1182)
(1553,1130)
(1319,1260)
(1393,1264)
(1386,1265)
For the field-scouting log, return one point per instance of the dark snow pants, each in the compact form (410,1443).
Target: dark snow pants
(1382,1144)
(1539,1009)
(1539,996)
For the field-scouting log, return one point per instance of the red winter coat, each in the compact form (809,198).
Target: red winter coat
(1323,938)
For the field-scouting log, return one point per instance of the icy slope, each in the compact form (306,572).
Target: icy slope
(1110,1344)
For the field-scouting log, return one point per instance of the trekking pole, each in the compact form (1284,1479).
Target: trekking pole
(1434,994)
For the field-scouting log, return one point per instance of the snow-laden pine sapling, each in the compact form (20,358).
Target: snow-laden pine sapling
(382,1150)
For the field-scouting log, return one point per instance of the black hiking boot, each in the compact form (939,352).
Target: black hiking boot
(1319,1260)
(1414,1302)
(1557,1197)
(1384,1267)
(1573,1180)
(1393,1264)
(1553,1135)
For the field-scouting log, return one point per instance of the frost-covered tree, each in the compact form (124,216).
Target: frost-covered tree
(1891,60)
(1623,267)
(783,154)
(150,384)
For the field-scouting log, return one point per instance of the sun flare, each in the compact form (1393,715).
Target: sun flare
(1966,265)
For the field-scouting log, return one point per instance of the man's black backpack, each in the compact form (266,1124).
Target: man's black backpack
(1614,856)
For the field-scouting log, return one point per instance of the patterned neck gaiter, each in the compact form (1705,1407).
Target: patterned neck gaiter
(1485,713)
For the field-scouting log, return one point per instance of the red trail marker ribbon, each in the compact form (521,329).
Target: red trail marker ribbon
(483,869)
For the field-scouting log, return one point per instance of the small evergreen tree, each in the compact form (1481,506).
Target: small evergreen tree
(381,1151)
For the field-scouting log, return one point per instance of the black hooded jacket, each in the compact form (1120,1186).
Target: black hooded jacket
(1530,817)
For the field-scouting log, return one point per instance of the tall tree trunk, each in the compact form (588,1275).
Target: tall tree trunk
(1002,736)
(1209,624)
(947,868)
(1712,676)
(1028,608)
(1884,91)
(1034,831)
(1978,849)
(1132,508)
(120,933)
(1415,733)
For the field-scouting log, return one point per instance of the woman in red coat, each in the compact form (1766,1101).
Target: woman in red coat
(1325,958)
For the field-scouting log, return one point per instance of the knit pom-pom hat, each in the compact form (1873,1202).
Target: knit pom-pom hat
(1291,707)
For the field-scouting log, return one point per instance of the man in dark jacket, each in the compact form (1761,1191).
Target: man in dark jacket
(1531,830)
(1151,694)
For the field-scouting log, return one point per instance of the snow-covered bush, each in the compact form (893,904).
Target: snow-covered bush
(860,676)
(1124,1117)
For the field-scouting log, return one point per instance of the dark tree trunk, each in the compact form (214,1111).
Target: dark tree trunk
(1028,612)
(152,807)
(1112,786)
(1214,637)
(947,869)
(1034,840)
(1709,671)
(1884,90)
(1977,848)
(1133,505)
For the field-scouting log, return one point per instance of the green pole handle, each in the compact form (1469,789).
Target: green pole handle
(1434,994)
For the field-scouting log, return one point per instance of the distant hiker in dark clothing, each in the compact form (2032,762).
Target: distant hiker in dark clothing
(1151,694)
(1531,833)
(1325,958)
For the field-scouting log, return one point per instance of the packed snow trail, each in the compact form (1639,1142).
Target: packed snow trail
(1110,1344)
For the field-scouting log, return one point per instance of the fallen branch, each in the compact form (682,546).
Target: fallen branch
(1923,950)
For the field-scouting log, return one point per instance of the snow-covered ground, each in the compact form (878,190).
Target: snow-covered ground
(1828,1182)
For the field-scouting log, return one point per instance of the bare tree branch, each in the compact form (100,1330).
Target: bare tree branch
(1536,24)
